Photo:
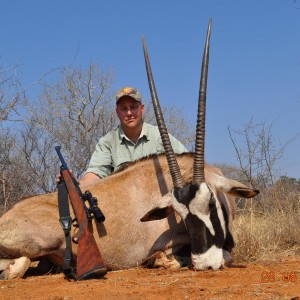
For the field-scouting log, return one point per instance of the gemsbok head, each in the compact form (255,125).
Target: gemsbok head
(203,206)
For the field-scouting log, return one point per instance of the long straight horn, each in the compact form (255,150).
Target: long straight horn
(172,162)
(198,176)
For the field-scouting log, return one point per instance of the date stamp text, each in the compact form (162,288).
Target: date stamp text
(269,277)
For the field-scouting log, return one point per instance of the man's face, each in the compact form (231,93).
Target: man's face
(130,112)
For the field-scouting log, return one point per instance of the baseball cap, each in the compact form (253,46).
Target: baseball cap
(130,92)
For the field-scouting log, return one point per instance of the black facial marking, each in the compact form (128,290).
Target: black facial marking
(186,194)
(214,218)
(229,241)
(201,237)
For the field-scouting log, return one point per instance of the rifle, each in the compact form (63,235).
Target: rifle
(89,260)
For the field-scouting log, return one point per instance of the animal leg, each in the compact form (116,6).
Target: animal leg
(5,262)
(160,259)
(16,269)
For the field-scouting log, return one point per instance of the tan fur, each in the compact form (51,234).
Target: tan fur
(31,228)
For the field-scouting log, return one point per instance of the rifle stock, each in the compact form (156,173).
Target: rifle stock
(89,260)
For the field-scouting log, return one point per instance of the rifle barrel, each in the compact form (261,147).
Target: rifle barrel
(63,163)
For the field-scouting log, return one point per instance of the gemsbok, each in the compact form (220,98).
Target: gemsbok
(190,203)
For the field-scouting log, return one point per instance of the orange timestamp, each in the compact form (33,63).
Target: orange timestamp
(267,277)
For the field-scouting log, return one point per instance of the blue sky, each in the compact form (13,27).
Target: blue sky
(254,58)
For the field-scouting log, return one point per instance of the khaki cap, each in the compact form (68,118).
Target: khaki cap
(130,92)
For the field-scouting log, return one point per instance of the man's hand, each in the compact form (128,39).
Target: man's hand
(58,177)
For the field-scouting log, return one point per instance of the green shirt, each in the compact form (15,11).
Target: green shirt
(115,149)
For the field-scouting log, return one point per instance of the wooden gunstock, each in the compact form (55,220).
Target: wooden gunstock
(89,260)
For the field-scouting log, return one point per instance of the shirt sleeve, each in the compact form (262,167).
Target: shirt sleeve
(177,146)
(101,160)
(154,134)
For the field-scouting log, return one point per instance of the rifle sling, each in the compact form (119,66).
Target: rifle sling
(65,222)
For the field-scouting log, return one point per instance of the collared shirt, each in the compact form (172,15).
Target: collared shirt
(115,149)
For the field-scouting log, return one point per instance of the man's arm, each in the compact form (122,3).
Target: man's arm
(101,160)
(100,163)
(87,178)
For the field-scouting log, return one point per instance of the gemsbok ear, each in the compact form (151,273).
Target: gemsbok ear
(243,192)
(157,213)
(160,212)
(234,187)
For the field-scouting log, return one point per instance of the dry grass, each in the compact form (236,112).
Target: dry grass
(267,235)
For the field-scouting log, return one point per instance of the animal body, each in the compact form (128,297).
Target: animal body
(31,228)
(191,206)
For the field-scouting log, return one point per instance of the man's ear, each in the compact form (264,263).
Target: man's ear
(160,212)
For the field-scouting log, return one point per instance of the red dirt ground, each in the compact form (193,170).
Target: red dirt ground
(267,280)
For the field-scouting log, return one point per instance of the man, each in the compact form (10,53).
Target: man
(131,140)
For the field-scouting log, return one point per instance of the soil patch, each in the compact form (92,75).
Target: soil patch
(267,280)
